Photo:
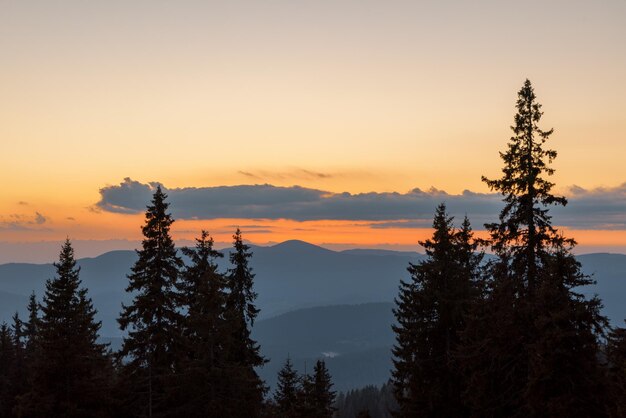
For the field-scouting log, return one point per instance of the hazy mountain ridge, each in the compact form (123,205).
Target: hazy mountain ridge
(354,340)
(289,276)
(304,293)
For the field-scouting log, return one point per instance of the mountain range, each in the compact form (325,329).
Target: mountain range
(314,302)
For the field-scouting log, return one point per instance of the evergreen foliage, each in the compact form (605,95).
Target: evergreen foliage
(245,390)
(431,313)
(204,367)
(20,369)
(368,401)
(532,348)
(7,370)
(31,328)
(304,396)
(616,358)
(70,368)
(153,319)
(286,396)
(514,337)
(323,397)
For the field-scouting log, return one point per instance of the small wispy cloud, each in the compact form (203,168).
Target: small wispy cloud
(248,174)
(40,219)
(294,174)
(22,222)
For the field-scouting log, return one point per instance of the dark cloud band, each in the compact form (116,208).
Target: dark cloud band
(589,209)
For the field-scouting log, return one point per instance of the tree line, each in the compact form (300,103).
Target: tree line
(508,336)
(187,349)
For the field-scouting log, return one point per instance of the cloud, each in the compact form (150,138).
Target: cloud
(294,174)
(298,203)
(317,174)
(40,219)
(20,222)
(603,208)
(248,174)
(127,197)
(598,208)
(403,223)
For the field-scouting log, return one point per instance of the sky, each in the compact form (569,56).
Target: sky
(342,123)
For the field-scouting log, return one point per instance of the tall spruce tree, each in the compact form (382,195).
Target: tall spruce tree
(20,372)
(306,395)
(287,394)
(152,320)
(31,327)
(616,358)
(431,313)
(323,397)
(30,347)
(8,368)
(204,368)
(532,350)
(305,405)
(245,390)
(70,370)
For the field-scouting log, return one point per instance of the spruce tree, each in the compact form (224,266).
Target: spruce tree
(8,368)
(565,375)
(323,397)
(153,318)
(305,404)
(535,338)
(241,281)
(204,368)
(245,390)
(31,328)
(616,376)
(29,331)
(20,372)
(69,366)
(287,394)
(431,313)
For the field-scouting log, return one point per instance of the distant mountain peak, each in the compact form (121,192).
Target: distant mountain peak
(297,245)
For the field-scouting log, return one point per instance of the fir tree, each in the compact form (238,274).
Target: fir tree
(20,371)
(305,403)
(565,375)
(616,358)
(369,401)
(153,318)
(524,234)
(30,347)
(70,367)
(241,281)
(323,397)
(431,313)
(18,331)
(245,390)
(286,396)
(31,328)
(204,368)
(527,349)
(7,370)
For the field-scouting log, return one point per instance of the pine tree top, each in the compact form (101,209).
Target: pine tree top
(62,292)
(524,233)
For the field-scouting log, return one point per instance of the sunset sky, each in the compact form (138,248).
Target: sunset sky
(375,110)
